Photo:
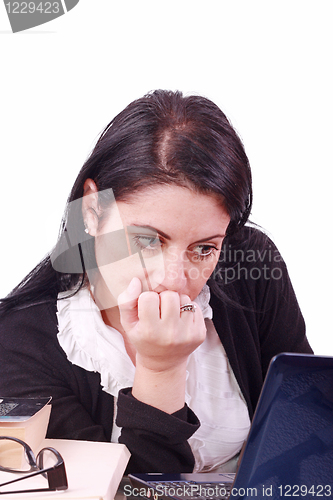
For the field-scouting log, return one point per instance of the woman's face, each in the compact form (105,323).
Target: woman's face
(169,237)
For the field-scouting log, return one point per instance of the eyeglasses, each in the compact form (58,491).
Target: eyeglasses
(49,463)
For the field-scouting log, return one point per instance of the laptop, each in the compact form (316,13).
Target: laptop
(289,450)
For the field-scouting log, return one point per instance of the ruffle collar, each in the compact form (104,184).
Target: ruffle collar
(91,344)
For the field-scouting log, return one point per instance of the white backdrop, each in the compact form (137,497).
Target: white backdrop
(266,64)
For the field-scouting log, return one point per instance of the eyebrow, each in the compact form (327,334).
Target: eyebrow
(167,237)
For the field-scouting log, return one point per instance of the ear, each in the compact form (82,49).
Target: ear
(90,209)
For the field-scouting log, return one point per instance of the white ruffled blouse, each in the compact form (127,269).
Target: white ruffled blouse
(212,391)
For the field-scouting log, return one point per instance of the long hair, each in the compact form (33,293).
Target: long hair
(161,138)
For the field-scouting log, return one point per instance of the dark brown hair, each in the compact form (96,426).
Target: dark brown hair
(161,138)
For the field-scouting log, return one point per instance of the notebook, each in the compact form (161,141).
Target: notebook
(289,450)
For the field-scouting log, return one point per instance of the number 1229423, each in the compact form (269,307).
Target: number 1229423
(33,7)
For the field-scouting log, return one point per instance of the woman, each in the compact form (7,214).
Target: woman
(154,319)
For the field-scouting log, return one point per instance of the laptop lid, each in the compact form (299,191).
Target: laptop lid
(289,451)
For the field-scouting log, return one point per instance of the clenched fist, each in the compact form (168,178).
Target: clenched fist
(162,337)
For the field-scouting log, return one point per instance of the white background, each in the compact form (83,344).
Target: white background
(267,64)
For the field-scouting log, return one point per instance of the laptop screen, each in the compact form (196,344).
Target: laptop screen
(290,446)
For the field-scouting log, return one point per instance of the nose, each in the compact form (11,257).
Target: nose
(173,275)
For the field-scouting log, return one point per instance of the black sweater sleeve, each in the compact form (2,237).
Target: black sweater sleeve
(157,440)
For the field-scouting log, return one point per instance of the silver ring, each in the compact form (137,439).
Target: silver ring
(188,307)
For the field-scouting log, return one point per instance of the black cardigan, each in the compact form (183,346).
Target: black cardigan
(267,322)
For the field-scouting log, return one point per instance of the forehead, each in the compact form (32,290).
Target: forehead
(172,208)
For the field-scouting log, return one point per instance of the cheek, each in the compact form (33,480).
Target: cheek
(118,275)
(113,261)
(199,274)
(117,266)
(202,272)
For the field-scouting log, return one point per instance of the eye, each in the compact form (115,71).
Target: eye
(201,252)
(147,243)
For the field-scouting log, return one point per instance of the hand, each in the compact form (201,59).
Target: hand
(162,336)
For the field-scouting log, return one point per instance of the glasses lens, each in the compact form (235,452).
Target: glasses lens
(17,456)
(13,456)
(47,458)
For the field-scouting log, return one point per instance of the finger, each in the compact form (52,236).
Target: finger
(149,308)
(185,299)
(195,319)
(128,303)
(169,305)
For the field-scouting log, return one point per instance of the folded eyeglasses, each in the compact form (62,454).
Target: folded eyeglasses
(48,463)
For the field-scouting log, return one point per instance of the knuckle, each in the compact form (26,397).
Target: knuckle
(148,297)
(168,294)
(185,298)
